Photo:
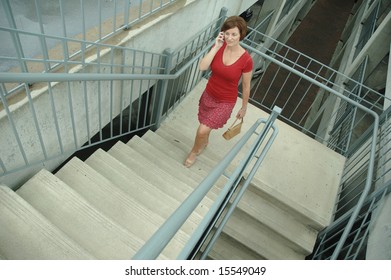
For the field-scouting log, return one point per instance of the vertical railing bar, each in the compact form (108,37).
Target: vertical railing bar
(83,21)
(100,20)
(302,98)
(112,69)
(131,93)
(151,7)
(126,15)
(303,119)
(271,83)
(366,224)
(140,92)
(54,112)
(121,101)
(148,92)
(140,9)
(317,248)
(70,103)
(168,56)
(121,94)
(3,167)
(87,111)
(15,37)
(64,29)
(115,16)
(100,97)
(282,86)
(274,78)
(41,37)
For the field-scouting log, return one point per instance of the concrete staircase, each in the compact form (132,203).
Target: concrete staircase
(109,205)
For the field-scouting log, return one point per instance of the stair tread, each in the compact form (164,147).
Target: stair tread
(282,222)
(147,195)
(156,145)
(156,176)
(254,235)
(227,248)
(170,164)
(175,136)
(77,218)
(111,200)
(27,234)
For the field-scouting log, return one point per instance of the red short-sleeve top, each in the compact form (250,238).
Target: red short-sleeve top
(223,83)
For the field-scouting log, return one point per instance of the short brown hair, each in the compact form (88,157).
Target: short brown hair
(235,21)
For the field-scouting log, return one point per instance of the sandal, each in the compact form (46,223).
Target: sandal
(189,162)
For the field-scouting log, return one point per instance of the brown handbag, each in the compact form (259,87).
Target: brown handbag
(233,130)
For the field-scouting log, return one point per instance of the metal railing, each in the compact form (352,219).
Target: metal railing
(87,20)
(121,90)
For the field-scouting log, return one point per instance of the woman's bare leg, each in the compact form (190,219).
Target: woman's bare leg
(200,142)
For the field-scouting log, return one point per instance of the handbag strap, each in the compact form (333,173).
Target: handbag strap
(233,124)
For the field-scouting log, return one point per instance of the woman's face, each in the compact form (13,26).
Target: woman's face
(232,36)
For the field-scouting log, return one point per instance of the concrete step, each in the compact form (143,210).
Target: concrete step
(158,152)
(152,173)
(261,239)
(227,248)
(154,201)
(27,234)
(77,218)
(163,148)
(111,200)
(174,135)
(266,210)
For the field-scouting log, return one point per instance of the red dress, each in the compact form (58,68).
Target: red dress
(221,92)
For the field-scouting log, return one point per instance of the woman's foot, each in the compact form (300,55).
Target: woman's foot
(191,158)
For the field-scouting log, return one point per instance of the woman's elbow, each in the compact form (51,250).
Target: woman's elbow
(202,67)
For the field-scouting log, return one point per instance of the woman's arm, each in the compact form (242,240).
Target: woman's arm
(208,58)
(246,81)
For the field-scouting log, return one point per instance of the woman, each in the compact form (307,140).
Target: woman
(229,63)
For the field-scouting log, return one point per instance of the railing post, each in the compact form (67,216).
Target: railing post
(126,15)
(162,90)
(15,37)
(222,16)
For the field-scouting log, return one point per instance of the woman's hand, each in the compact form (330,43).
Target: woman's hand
(241,113)
(220,40)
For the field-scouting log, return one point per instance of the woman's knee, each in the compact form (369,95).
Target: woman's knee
(203,130)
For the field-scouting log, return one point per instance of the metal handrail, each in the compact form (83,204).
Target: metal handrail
(159,240)
(71,77)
